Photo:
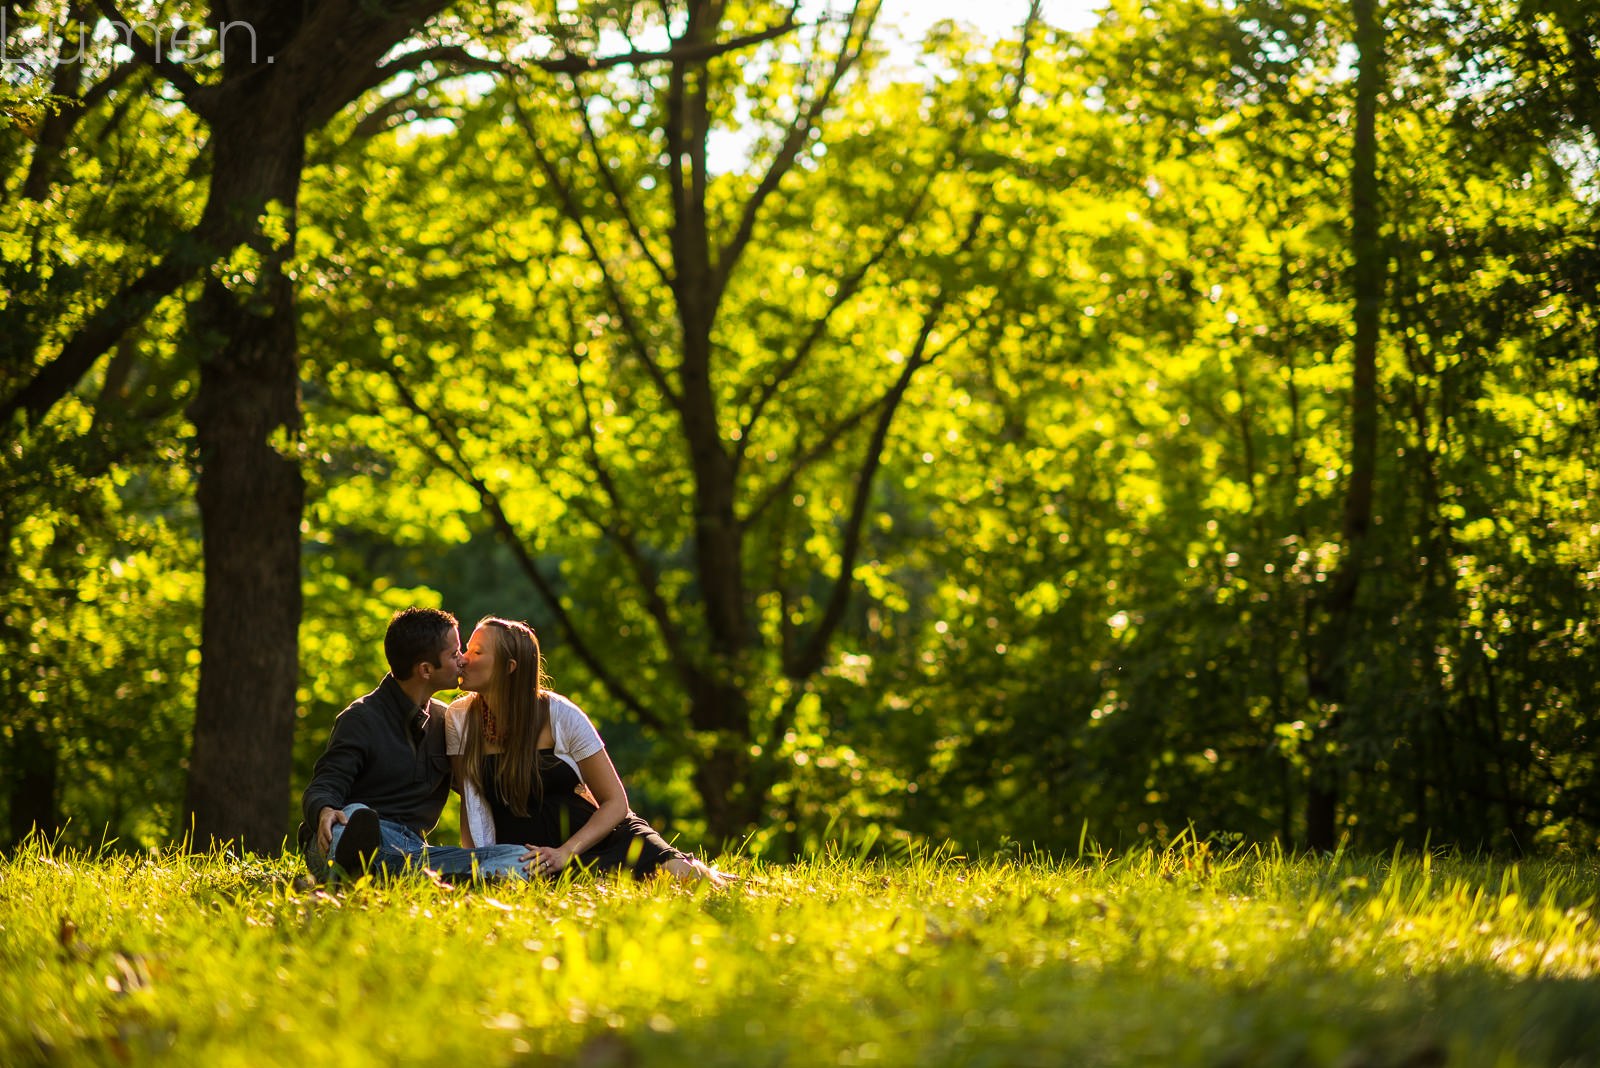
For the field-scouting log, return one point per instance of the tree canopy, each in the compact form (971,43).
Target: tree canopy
(1185,420)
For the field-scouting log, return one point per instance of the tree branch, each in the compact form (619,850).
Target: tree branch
(397,112)
(131,304)
(829,439)
(569,207)
(687,54)
(842,293)
(612,186)
(811,656)
(462,469)
(1035,12)
(453,58)
(194,94)
(809,660)
(619,533)
(799,131)
(464,62)
(106,86)
(58,124)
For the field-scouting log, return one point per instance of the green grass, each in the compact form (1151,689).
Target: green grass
(1173,956)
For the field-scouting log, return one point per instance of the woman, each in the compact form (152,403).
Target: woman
(522,756)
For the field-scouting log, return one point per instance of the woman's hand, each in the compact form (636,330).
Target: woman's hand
(542,860)
(597,772)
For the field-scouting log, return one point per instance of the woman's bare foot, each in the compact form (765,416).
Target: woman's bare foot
(693,870)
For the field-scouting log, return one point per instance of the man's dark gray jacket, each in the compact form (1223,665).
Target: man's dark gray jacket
(387,753)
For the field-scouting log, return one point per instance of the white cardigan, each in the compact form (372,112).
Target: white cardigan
(574,736)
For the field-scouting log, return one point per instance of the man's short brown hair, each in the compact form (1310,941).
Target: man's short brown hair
(416,636)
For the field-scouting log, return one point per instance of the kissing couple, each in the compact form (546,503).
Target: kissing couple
(538,790)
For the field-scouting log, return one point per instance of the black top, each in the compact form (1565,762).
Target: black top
(557,810)
(387,753)
(553,814)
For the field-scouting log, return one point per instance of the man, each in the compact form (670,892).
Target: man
(381,784)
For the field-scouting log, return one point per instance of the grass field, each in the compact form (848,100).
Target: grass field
(1173,956)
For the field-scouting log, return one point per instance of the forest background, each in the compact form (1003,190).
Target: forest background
(1188,418)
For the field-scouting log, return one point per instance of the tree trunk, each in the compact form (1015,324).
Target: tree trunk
(719,705)
(30,761)
(1322,809)
(250,492)
(732,807)
(287,68)
(1368,271)
(302,65)
(733,796)
(31,792)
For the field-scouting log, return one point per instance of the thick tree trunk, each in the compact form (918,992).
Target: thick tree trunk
(298,67)
(32,787)
(1368,275)
(246,417)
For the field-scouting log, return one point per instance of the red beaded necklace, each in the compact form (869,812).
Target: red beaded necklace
(491,730)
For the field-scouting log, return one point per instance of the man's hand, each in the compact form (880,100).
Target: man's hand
(325,821)
(542,860)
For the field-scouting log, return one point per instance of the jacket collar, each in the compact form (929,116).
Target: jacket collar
(413,717)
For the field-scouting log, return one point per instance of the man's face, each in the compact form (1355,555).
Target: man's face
(449,673)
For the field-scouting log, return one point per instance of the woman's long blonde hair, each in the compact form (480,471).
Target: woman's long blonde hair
(515,699)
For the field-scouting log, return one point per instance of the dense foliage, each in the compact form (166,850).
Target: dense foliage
(1186,420)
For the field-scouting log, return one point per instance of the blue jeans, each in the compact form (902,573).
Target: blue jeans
(403,850)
